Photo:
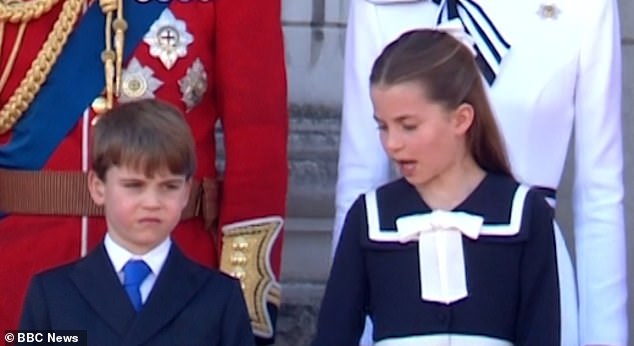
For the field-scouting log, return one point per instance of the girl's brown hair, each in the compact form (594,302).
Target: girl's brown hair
(148,135)
(446,70)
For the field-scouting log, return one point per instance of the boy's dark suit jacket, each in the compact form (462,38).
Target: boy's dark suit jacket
(188,305)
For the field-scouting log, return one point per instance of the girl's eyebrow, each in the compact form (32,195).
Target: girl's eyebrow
(399,118)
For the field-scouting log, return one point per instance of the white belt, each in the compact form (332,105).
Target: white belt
(444,340)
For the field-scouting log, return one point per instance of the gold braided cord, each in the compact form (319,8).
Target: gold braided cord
(14,54)
(112,55)
(108,57)
(41,66)
(1,35)
(119,26)
(18,11)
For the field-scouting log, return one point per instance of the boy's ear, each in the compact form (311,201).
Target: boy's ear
(97,188)
(463,118)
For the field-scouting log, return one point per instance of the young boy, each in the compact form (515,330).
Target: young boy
(137,287)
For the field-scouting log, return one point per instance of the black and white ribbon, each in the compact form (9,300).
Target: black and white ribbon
(490,46)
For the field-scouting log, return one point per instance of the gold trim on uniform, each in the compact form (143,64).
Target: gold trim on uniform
(24,11)
(246,252)
(275,295)
(194,85)
(168,39)
(138,82)
(24,94)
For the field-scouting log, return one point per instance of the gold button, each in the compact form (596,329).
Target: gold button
(238,258)
(240,243)
(239,273)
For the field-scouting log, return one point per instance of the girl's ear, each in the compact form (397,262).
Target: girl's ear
(463,118)
(97,188)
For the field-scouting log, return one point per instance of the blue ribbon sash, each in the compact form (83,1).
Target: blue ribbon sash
(75,80)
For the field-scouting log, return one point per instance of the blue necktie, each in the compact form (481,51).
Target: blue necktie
(134,272)
(489,43)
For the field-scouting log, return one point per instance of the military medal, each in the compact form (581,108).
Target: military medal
(138,82)
(168,39)
(548,11)
(193,85)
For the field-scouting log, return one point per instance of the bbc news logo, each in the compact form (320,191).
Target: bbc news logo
(46,337)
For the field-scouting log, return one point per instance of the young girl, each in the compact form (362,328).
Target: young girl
(553,67)
(456,252)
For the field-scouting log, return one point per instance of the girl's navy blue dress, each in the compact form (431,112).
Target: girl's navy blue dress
(513,294)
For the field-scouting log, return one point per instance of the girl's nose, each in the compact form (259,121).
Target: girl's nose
(392,141)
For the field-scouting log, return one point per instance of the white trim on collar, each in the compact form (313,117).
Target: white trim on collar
(375,232)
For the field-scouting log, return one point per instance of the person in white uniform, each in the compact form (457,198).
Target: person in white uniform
(553,67)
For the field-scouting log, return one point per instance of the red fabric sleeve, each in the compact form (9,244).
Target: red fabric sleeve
(251,97)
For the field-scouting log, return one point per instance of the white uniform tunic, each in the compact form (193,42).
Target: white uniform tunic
(562,73)
(507,262)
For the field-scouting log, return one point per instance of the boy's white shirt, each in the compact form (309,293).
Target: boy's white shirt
(155,259)
(562,73)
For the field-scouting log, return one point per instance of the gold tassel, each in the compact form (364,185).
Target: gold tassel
(113,58)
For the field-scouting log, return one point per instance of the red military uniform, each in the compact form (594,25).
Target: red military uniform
(219,60)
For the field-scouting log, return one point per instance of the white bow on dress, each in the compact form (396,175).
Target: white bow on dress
(441,257)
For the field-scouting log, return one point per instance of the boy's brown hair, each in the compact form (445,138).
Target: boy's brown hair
(146,135)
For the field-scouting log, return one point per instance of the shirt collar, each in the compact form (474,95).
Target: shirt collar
(154,258)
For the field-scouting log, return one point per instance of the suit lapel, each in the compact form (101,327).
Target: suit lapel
(177,283)
(98,283)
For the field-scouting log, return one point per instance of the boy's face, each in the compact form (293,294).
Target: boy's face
(140,211)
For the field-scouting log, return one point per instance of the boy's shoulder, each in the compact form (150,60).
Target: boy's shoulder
(58,280)
(96,264)
(58,273)
(203,279)
(66,270)
(210,274)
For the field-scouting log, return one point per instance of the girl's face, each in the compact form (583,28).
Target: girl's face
(423,138)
